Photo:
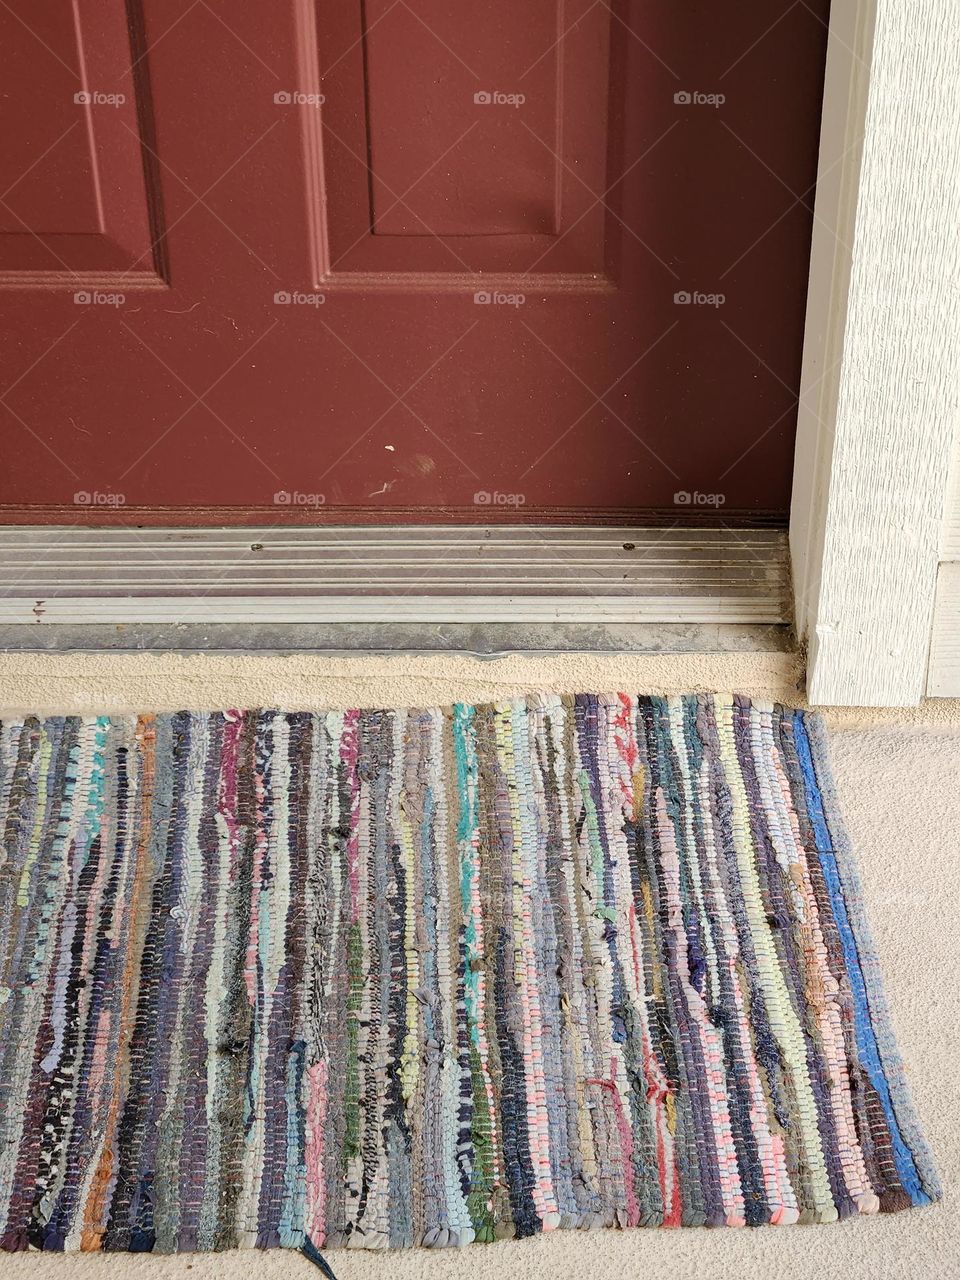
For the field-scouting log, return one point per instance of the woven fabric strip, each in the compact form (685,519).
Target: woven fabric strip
(426,977)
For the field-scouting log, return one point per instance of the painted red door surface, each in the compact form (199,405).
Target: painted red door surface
(381,260)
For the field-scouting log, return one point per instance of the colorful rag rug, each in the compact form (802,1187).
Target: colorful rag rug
(401,977)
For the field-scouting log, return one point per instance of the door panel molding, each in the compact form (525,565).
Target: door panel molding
(881,367)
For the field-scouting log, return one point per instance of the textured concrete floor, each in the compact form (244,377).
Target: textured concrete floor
(898,775)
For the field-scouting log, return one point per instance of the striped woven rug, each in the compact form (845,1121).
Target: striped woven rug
(388,978)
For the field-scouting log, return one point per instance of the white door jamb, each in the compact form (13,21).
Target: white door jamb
(881,364)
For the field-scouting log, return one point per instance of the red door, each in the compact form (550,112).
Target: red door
(380,260)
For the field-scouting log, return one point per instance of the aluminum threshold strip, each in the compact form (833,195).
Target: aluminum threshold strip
(393,574)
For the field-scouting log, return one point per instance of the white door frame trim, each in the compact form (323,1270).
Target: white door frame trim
(881,364)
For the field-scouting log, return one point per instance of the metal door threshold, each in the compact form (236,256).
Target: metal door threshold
(349,639)
(534,575)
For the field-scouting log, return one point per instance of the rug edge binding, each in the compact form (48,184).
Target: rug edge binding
(880,1011)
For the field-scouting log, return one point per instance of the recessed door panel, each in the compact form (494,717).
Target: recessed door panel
(461,141)
(456,114)
(48,169)
(77,161)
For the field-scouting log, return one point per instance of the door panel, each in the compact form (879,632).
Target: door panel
(484,177)
(78,197)
(44,198)
(405,261)
(495,178)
